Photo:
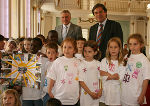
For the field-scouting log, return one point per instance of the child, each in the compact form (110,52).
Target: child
(27,45)
(80,45)
(125,50)
(112,72)
(32,96)
(64,75)
(2,44)
(20,45)
(11,46)
(51,53)
(10,98)
(137,73)
(89,75)
(53,102)
(53,36)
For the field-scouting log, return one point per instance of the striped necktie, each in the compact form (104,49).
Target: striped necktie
(99,35)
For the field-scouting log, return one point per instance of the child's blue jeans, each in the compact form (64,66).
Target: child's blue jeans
(45,99)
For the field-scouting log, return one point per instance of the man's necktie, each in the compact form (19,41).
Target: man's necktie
(99,35)
(65,32)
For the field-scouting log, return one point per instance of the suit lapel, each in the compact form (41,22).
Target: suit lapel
(95,31)
(106,29)
(60,31)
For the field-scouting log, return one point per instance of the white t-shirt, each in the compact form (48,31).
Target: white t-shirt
(89,72)
(33,93)
(79,56)
(65,73)
(111,88)
(137,70)
(46,79)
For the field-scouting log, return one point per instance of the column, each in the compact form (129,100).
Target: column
(148,34)
(85,4)
(22,18)
(4,18)
(14,19)
(132,25)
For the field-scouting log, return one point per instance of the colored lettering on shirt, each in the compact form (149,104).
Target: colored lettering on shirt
(95,84)
(75,64)
(126,78)
(66,67)
(130,67)
(63,81)
(135,74)
(45,82)
(85,93)
(69,82)
(84,70)
(138,65)
(77,79)
(112,67)
(70,77)
(98,68)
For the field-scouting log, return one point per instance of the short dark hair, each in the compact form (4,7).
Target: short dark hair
(52,45)
(81,38)
(39,41)
(53,102)
(2,38)
(99,5)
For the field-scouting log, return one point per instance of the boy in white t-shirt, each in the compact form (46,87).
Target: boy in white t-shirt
(51,53)
(32,96)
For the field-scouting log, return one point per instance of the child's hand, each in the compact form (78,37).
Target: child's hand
(93,95)
(140,99)
(51,95)
(115,76)
(109,77)
(99,94)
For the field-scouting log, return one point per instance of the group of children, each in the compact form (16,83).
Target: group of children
(78,76)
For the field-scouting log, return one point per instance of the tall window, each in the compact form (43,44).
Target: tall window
(4,18)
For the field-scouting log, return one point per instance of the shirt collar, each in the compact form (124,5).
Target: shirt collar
(64,26)
(104,22)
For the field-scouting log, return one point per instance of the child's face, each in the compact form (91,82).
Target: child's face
(2,44)
(134,46)
(9,100)
(80,45)
(11,46)
(113,49)
(27,45)
(68,49)
(20,45)
(53,37)
(89,53)
(35,46)
(51,54)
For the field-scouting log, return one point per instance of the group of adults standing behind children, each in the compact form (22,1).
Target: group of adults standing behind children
(109,28)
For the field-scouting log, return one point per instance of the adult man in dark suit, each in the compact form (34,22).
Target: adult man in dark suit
(67,29)
(109,28)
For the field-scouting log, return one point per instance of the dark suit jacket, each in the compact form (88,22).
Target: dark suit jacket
(75,31)
(111,29)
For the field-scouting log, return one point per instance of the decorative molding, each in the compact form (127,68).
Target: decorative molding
(90,20)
